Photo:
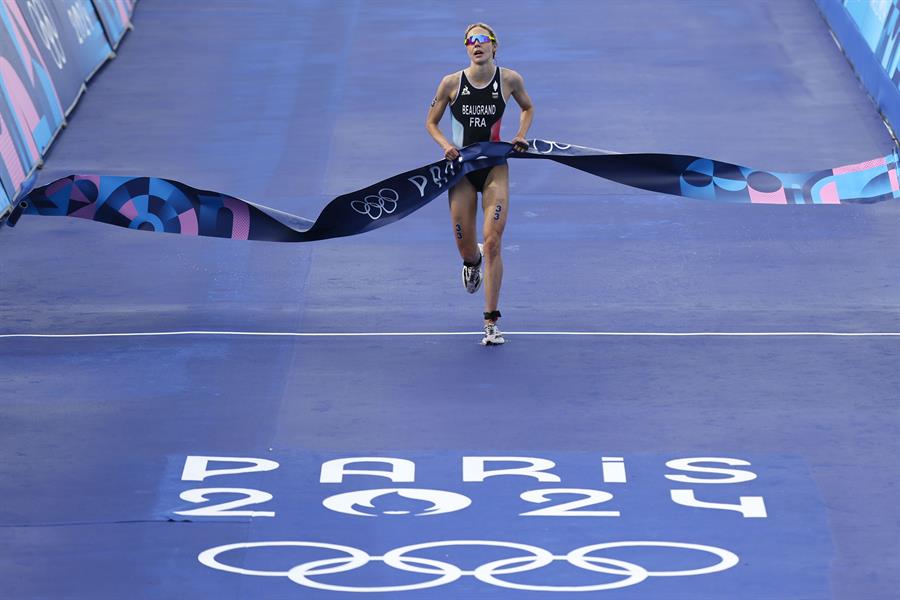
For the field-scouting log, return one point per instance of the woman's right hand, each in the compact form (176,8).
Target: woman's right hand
(451,153)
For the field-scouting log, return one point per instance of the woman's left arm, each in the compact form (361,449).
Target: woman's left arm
(517,91)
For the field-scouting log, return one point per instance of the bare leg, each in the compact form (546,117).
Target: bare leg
(463,202)
(495,203)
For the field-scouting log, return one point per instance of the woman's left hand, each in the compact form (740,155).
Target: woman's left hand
(520,144)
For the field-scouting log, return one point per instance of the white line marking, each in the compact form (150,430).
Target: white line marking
(465,333)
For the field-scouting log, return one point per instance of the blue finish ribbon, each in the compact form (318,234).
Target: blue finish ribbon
(155,204)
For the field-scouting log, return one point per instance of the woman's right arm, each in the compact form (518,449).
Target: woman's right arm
(436,112)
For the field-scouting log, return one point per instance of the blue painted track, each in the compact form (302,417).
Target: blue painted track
(290,104)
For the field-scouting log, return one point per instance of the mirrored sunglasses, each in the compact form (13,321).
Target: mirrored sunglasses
(480,38)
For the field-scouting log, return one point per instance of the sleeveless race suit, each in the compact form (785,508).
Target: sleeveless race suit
(475,116)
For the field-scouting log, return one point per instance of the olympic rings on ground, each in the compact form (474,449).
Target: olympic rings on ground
(358,558)
(490,573)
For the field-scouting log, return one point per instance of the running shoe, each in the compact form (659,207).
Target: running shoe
(492,335)
(471,276)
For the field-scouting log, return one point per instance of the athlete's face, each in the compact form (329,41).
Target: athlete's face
(480,53)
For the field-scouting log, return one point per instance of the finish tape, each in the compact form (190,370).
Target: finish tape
(155,204)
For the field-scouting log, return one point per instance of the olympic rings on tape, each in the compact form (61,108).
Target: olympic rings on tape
(491,573)
(375,206)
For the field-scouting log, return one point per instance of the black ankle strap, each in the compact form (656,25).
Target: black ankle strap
(492,316)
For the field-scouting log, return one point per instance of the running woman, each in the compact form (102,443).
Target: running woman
(477,97)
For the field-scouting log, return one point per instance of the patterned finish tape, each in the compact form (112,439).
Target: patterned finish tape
(154,204)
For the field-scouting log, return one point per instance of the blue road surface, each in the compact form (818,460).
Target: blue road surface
(697,401)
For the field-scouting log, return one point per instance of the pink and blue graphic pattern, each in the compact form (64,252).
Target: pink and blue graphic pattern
(116,18)
(30,108)
(47,52)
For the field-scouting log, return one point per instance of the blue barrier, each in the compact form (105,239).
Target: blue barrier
(869,34)
(71,41)
(4,201)
(30,108)
(116,18)
(48,50)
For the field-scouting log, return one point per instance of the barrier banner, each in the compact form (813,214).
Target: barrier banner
(71,41)
(116,18)
(878,23)
(164,205)
(869,34)
(48,49)
(16,158)
(30,109)
(83,35)
(5,205)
